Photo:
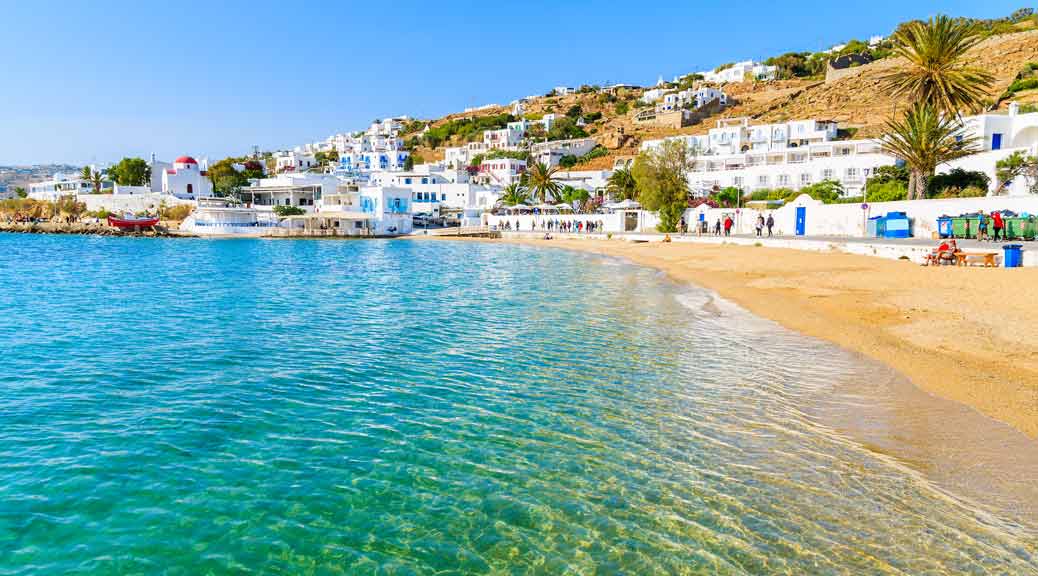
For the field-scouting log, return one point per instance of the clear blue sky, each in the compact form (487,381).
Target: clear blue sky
(86,81)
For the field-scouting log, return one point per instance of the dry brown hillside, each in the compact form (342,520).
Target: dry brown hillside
(856,102)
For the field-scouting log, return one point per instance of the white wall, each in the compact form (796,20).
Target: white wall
(130,203)
(849,219)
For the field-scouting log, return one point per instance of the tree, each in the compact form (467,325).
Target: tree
(226,179)
(621,185)
(131,172)
(282,211)
(409,163)
(661,178)
(957,180)
(887,184)
(20,192)
(1016,165)
(937,72)
(923,139)
(727,197)
(86,173)
(571,195)
(827,191)
(514,194)
(96,179)
(541,182)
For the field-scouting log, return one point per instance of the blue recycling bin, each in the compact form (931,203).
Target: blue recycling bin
(1013,255)
(896,225)
(944,227)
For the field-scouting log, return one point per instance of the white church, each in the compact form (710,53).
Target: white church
(186,180)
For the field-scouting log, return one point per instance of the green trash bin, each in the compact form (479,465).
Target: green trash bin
(965,226)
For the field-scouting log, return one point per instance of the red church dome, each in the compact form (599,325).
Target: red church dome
(185,160)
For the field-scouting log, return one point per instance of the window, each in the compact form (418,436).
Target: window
(827,174)
(762,180)
(407,180)
(783,180)
(190,189)
(737,181)
(805,179)
(443,197)
(425,180)
(852,173)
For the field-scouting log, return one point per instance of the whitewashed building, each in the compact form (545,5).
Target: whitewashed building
(691,98)
(500,171)
(551,152)
(186,180)
(1000,135)
(740,71)
(786,155)
(62,185)
(294,161)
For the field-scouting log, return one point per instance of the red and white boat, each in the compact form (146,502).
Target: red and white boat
(131,222)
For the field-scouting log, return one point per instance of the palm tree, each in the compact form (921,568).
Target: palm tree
(923,139)
(621,185)
(96,180)
(937,72)
(541,182)
(514,194)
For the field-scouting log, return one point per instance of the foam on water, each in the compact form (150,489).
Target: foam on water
(421,408)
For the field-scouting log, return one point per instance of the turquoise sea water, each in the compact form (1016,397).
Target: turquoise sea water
(400,407)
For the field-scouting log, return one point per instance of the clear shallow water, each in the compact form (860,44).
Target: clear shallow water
(431,408)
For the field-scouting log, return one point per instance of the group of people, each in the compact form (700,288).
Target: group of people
(998,227)
(555,225)
(724,226)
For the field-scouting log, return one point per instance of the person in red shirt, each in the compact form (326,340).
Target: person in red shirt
(728,225)
(997,225)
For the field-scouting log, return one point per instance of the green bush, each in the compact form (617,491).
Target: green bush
(621,108)
(957,179)
(888,191)
(283,211)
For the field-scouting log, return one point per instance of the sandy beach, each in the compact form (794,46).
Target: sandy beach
(969,335)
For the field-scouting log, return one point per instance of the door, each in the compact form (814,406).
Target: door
(801,220)
(996,141)
(630,221)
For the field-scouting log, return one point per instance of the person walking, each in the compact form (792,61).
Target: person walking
(982,227)
(997,226)
(717,227)
(770,224)
(760,225)
(728,223)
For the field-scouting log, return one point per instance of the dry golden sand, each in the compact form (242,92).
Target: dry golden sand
(965,334)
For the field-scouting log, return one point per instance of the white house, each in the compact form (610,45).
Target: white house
(301,190)
(389,209)
(691,98)
(501,171)
(552,151)
(786,155)
(186,180)
(740,71)
(61,185)
(293,161)
(999,136)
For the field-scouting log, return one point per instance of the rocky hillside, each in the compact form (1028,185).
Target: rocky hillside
(858,102)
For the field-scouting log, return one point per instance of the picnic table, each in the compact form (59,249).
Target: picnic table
(965,258)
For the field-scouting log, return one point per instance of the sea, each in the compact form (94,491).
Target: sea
(188,406)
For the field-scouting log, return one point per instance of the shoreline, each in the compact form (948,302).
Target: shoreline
(969,335)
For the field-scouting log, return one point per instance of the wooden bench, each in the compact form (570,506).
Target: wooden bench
(966,258)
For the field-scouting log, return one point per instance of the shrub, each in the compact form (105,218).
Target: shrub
(889,191)
(283,211)
(621,108)
(178,212)
(958,179)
